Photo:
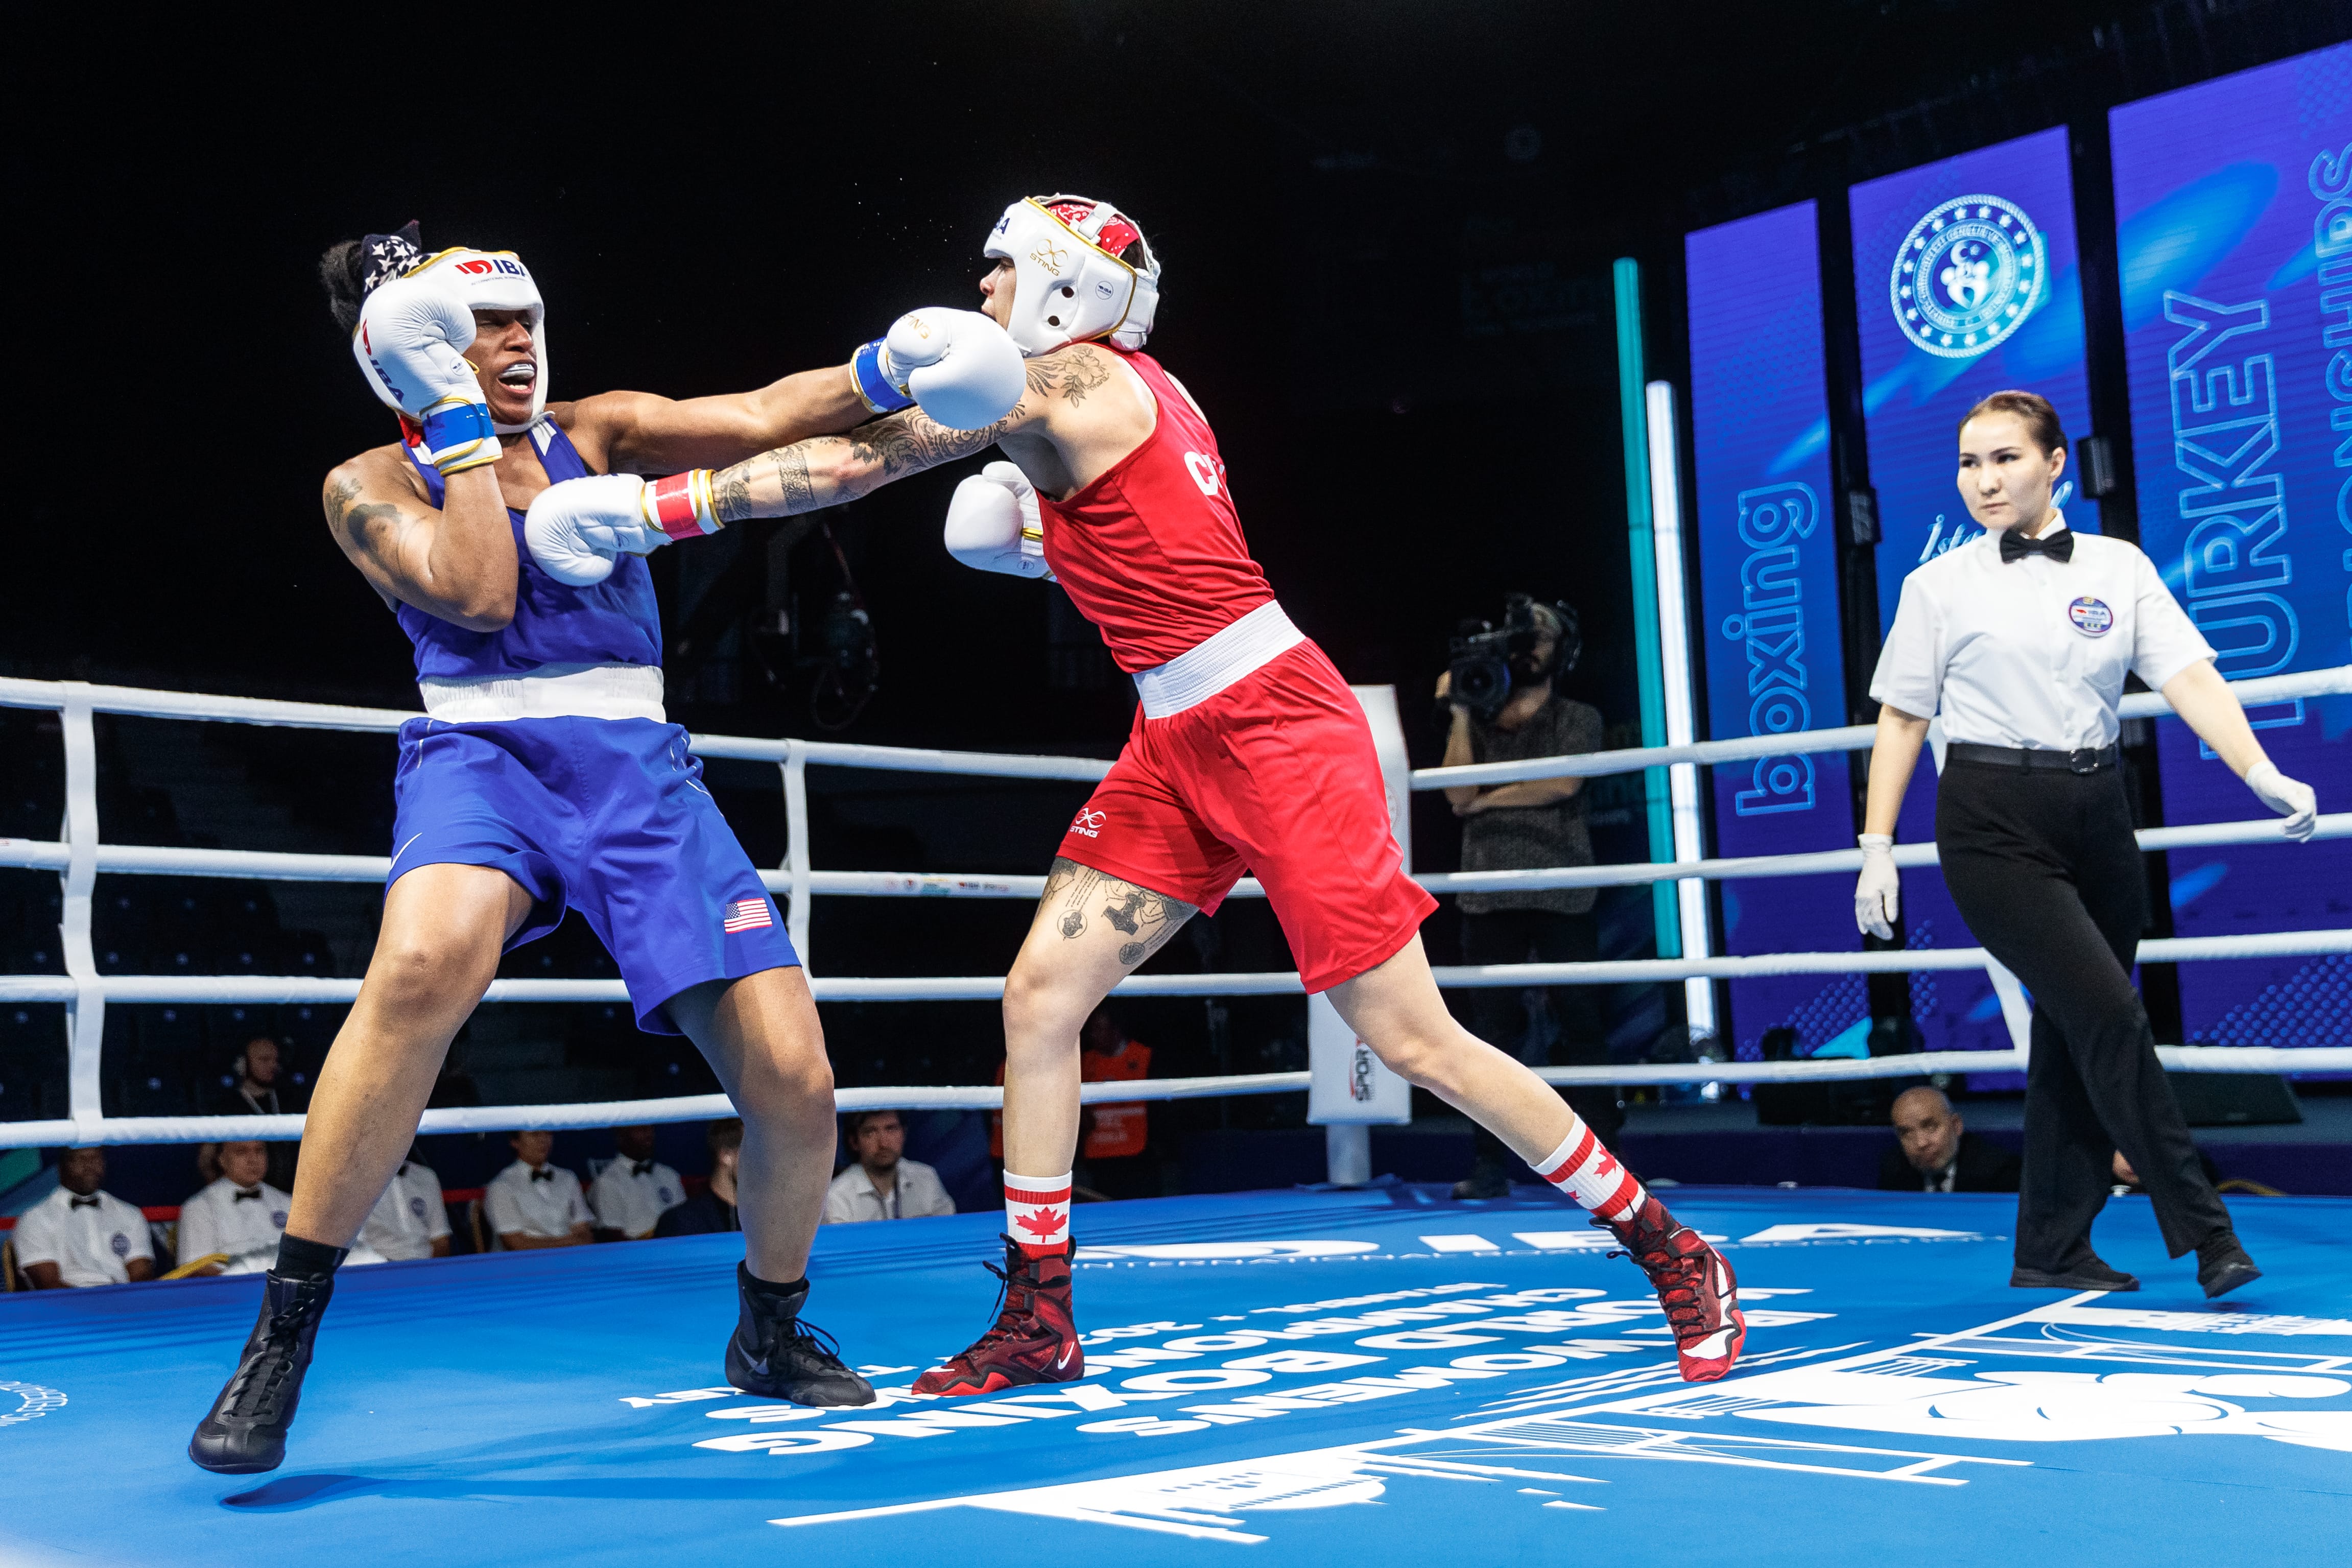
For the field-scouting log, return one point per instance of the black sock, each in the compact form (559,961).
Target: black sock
(300,1259)
(768,1287)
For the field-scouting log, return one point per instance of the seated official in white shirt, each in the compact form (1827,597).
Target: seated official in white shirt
(631,1193)
(882,1182)
(532,1204)
(238,1217)
(410,1221)
(79,1236)
(2022,638)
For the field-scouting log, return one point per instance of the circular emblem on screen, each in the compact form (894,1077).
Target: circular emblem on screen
(1967,276)
(2091,616)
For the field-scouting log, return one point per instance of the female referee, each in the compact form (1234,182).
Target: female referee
(2024,635)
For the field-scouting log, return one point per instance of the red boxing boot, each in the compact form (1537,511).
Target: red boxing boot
(1694,1285)
(1033,1340)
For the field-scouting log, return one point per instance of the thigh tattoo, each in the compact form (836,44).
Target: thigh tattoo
(1076,893)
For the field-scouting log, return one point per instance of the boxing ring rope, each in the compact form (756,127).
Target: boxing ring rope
(79,857)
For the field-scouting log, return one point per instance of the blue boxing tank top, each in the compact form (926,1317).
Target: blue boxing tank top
(613,622)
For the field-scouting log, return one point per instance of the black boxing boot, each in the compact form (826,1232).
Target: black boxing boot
(776,1355)
(246,1432)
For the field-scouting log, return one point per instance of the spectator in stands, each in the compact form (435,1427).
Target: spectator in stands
(882,1182)
(238,1217)
(1937,1154)
(632,1191)
(712,1210)
(532,1204)
(80,1235)
(259,1087)
(410,1221)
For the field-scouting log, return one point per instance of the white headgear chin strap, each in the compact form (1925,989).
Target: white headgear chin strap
(488,280)
(1067,288)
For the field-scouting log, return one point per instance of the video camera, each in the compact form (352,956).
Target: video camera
(1489,662)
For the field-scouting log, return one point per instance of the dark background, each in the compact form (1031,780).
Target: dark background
(1387,231)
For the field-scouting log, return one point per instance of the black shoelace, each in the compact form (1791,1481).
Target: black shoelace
(1677,1279)
(261,1382)
(1012,1302)
(805,1338)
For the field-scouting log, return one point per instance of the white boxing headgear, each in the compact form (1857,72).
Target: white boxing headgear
(1070,285)
(486,281)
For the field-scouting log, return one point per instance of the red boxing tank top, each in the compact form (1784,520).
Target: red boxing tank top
(1152,551)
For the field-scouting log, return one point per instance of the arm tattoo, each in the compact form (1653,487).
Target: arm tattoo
(731,495)
(779,483)
(1145,917)
(1069,375)
(355,524)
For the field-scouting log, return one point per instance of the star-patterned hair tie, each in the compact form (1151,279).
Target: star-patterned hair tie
(385,256)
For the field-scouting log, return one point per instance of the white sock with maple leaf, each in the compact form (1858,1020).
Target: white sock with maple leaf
(1586,1172)
(1037,1212)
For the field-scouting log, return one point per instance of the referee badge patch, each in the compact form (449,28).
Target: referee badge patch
(2091,616)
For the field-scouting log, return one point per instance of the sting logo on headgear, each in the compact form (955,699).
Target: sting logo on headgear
(483,281)
(1070,284)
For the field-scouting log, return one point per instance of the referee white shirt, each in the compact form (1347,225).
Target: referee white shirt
(243,1222)
(915,1193)
(629,1196)
(89,1239)
(549,1205)
(409,1216)
(2032,653)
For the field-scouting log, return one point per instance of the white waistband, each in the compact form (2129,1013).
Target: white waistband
(554,692)
(1199,673)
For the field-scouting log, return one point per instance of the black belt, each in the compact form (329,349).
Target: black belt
(2083,760)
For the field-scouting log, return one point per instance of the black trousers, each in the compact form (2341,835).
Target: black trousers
(1497,1016)
(2044,869)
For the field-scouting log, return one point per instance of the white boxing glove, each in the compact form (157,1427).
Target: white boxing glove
(578,529)
(411,345)
(958,366)
(1878,892)
(993,524)
(2290,798)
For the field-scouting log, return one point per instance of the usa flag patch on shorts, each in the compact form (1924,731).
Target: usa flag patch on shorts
(747,914)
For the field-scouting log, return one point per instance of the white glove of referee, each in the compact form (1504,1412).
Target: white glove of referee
(1878,893)
(2290,798)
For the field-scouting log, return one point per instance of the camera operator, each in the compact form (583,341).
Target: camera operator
(1505,707)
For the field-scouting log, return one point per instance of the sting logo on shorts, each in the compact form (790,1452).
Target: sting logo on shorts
(2091,616)
(1088,822)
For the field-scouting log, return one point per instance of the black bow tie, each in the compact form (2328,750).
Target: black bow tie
(544,1174)
(642,1168)
(2058,546)
(86,1203)
(253,1192)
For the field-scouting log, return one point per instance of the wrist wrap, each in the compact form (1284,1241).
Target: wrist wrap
(458,435)
(873,384)
(680,505)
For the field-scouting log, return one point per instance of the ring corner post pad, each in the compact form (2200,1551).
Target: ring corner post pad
(1350,1090)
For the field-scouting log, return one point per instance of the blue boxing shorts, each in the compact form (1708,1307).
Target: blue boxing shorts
(605,815)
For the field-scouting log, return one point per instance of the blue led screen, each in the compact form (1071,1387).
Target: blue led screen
(1767,603)
(2233,207)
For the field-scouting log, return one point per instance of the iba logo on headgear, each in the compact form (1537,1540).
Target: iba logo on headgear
(1967,275)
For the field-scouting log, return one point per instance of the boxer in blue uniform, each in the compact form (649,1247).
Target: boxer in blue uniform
(545,776)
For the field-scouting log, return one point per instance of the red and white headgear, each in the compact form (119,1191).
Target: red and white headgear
(485,280)
(1071,286)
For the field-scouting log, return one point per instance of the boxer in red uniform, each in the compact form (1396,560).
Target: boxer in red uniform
(1248,752)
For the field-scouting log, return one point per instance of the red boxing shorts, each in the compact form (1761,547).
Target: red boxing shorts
(1275,774)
